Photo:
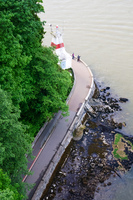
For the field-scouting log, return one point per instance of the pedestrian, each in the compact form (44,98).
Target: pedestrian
(73,56)
(78,58)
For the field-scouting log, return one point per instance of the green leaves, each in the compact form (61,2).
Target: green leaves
(7,191)
(14,143)
(12,131)
(50,85)
(32,88)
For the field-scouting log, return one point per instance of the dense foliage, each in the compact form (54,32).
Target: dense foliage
(32,88)
(7,191)
(14,145)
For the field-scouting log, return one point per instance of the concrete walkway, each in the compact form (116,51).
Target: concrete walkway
(83,83)
(45,148)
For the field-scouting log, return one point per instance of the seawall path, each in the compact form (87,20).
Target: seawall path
(55,136)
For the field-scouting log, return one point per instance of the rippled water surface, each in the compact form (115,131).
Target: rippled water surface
(101,32)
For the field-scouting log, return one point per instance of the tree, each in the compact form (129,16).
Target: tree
(29,72)
(12,58)
(51,86)
(21,33)
(7,191)
(14,143)
(32,87)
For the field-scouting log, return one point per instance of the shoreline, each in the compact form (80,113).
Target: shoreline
(76,110)
(86,172)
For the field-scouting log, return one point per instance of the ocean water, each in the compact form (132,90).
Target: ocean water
(101,32)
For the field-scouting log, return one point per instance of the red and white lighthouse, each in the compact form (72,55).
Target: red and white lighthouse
(57,42)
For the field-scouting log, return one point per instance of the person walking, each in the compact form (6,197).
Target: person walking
(73,56)
(78,58)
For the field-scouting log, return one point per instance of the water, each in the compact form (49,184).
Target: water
(101,32)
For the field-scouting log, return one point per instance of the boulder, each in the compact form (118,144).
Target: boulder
(119,125)
(84,181)
(107,88)
(123,100)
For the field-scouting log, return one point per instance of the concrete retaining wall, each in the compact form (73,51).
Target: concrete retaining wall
(81,113)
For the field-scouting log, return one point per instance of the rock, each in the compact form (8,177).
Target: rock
(52,191)
(115,106)
(112,100)
(93,174)
(92,165)
(103,98)
(91,189)
(63,173)
(107,88)
(108,109)
(59,189)
(54,185)
(103,90)
(84,181)
(113,132)
(119,125)
(72,191)
(124,124)
(107,94)
(92,124)
(78,133)
(109,183)
(52,196)
(103,116)
(101,179)
(123,100)
(100,165)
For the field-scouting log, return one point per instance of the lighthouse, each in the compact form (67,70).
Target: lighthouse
(57,42)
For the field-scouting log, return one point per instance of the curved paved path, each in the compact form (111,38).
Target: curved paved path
(83,83)
(45,152)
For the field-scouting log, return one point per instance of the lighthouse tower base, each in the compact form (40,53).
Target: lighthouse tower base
(64,57)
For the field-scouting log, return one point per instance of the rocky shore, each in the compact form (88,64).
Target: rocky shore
(103,151)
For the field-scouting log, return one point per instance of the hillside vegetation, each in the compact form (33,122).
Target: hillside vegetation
(32,88)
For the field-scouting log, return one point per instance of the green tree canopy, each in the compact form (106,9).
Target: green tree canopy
(32,88)
(21,34)
(7,190)
(29,72)
(51,85)
(14,143)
